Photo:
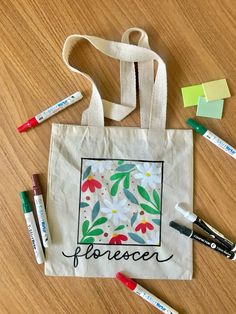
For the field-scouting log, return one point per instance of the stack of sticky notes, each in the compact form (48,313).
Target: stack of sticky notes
(208,97)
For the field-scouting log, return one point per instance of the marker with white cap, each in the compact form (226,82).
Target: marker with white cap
(206,227)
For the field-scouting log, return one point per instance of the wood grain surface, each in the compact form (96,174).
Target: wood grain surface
(197,40)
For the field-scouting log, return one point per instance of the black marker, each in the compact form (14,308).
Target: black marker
(196,236)
(206,227)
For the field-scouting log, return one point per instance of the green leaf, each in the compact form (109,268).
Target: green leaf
(85,227)
(114,188)
(133,218)
(99,221)
(117,176)
(144,193)
(125,168)
(88,240)
(150,209)
(120,227)
(120,162)
(95,232)
(156,198)
(126,182)
(87,172)
(156,221)
(131,197)
(83,204)
(136,238)
(95,211)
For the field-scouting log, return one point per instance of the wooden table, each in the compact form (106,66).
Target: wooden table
(197,41)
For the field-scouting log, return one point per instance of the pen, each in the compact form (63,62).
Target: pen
(33,232)
(40,208)
(146,295)
(212,138)
(206,227)
(196,236)
(39,118)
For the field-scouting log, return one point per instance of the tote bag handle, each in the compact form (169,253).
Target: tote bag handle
(153,93)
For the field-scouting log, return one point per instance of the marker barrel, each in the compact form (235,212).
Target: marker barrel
(42,219)
(228,149)
(157,303)
(213,245)
(34,236)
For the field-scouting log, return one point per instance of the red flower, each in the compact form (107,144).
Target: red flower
(118,238)
(143,226)
(91,184)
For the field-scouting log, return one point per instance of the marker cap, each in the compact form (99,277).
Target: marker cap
(26,207)
(36,185)
(126,281)
(180,207)
(27,125)
(196,126)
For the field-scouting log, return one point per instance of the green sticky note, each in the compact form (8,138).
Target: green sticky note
(216,90)
(210,109)
(191,94)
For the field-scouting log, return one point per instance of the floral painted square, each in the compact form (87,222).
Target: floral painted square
(120,202)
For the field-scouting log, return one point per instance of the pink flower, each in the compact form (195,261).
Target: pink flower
(143,226)
(118,238)
(91,184)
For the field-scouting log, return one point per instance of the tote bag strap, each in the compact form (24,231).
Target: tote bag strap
(145,77)
(155,116)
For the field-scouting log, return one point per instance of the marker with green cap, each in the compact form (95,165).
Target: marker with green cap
(212,138)
(31,225)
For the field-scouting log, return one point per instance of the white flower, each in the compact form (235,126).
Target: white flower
(99,165)
(150,174)
(115,210)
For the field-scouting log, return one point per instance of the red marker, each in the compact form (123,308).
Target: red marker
(136,288)
(39,118)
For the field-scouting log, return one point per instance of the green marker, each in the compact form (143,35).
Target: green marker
(31,225)
(212,138)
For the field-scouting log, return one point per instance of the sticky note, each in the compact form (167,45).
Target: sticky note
(210,109)
(216,90)
(191,94)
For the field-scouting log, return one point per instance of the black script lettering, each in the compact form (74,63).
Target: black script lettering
(96,253)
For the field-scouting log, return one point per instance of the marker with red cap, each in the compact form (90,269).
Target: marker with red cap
(146,295)
(39,118)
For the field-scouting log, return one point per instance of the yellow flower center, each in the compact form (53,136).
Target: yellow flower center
(114,211)
(143,221)
(148,174)
(90,177)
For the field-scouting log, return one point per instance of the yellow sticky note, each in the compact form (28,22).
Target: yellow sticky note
(215,90)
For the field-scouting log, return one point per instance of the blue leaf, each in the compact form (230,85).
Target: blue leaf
(125,168)
(130,197)
(136,238)
(133,219)
(95,211)
(87,172)
(156,221)
(83,204)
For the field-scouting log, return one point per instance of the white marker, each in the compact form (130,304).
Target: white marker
(31,225)
(206,227)
(212,138)
(39,118)
(40,208)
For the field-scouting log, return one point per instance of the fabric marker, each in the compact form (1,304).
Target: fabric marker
(51,111)
(206,227)
(33,232)
(40,208)
(146,295)
(212,138)
(196,236)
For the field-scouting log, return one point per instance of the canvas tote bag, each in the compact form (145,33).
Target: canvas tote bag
(112,190)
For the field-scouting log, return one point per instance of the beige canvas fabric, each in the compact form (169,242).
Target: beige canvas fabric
(112,190)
